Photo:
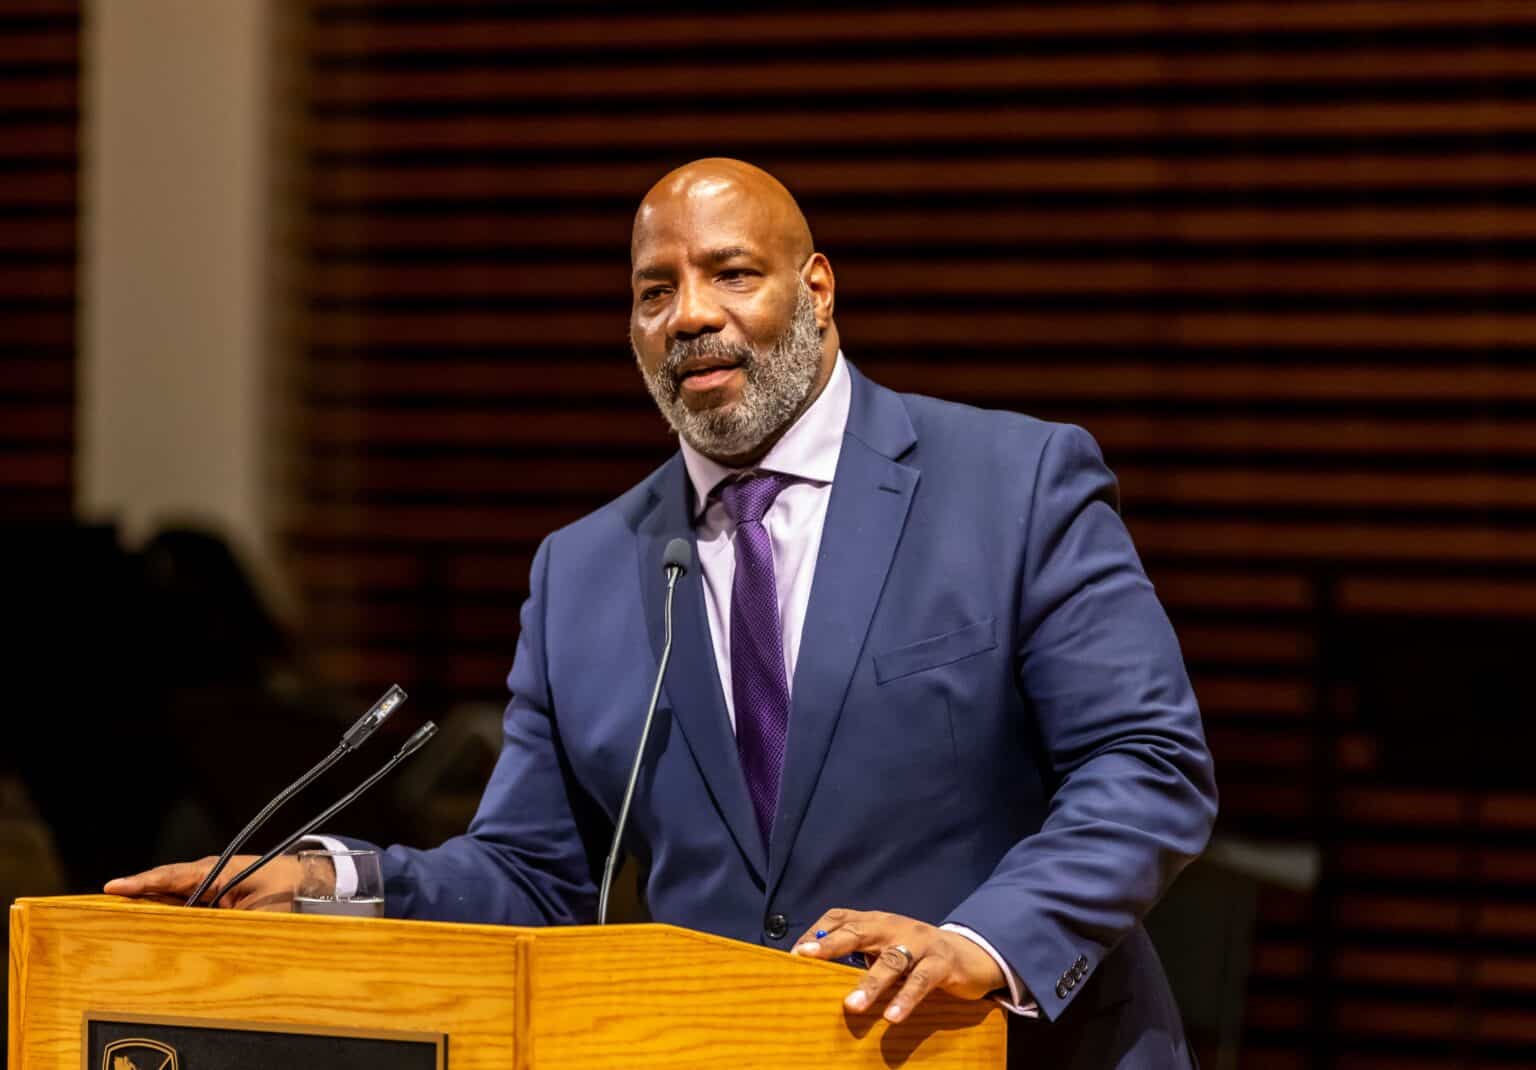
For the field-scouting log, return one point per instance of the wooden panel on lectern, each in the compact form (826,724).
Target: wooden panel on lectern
(636,996)
(655,994)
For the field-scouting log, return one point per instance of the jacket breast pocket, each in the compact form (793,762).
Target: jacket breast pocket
(940,650)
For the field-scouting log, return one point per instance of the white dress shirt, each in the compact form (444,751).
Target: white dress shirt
(808,451)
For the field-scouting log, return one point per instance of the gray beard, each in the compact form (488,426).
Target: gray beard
(778,383)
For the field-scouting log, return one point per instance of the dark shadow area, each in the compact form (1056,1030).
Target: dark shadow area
(900,1042)
(157,703)
(1448,700)
(1203,930)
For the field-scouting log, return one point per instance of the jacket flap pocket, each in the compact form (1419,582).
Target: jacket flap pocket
(940,650)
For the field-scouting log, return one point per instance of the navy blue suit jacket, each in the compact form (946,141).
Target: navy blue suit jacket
(991,725)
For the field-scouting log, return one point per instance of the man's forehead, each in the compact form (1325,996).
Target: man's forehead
(715,217)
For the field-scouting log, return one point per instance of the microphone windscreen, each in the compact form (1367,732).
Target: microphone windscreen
(679,555)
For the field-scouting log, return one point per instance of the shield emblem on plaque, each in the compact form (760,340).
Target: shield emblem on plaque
(137,1053)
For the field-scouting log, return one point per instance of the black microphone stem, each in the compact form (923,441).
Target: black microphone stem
(361,729)
(412,745)
(261,819)
(675,568)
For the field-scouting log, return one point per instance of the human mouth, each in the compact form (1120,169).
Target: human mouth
(706,375)
(709,379)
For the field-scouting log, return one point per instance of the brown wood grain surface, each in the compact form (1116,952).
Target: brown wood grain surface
(632,996)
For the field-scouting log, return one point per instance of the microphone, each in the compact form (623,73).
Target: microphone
(411,746)
(676,559)
(355,736)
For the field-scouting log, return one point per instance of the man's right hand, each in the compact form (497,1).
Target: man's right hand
(270,888)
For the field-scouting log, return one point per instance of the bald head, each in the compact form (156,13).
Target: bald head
(756,197)
(731,320)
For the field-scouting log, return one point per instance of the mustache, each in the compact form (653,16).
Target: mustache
(706,347)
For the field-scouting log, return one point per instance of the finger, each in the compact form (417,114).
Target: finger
(176,878)
(887,970)
(137,884)
(926,975)
(852,935)
(829,922)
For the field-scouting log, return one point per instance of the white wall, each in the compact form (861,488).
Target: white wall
(175,218)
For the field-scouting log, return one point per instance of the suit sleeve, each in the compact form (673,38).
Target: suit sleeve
(1136,795)
(523,860)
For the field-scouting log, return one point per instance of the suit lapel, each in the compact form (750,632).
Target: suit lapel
(871,494)
(693,681)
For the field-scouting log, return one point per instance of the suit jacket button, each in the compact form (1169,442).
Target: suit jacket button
(776,927)
(1061,990)
(1082,962)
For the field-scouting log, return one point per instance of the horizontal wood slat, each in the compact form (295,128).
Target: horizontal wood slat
(1276,257)
(898,175)
(997,125)
(984,73)
(1235,380)
(55,94)
(38,235)
(39,46)
(51,188)
(458,230)
(31,329)
(1465,596)
(1474,334)
(31,424)
(38,376)
(965,276)
(33,142)
(38,282)
(336,35)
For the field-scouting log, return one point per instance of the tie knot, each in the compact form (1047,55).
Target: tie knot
(746,500)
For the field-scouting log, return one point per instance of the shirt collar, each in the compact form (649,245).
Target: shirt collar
(808,450)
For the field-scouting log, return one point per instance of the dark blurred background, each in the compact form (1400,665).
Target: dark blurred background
(1278,257)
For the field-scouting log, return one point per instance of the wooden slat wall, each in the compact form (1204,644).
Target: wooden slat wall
(39,61)
(1277,257)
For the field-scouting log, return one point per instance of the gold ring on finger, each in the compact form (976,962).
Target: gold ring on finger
(901,950)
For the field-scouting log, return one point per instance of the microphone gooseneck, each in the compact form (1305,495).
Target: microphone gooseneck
(676,560)
(355,736)
(410,747)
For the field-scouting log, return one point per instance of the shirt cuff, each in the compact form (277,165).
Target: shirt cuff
(346,870)
(1019,1001)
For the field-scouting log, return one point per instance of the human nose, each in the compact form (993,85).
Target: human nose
(695,312)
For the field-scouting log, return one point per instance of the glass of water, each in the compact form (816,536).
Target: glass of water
(348,883)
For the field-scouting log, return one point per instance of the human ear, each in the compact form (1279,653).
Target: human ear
(817,275)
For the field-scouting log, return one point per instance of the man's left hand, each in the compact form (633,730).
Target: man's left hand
(934,959)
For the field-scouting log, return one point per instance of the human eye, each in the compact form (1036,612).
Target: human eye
(654,293)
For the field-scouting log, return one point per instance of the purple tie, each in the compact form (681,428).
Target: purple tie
(758,683)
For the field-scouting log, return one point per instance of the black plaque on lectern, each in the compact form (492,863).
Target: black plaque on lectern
(136,1042)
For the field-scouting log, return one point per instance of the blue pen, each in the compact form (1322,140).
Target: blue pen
(856,959)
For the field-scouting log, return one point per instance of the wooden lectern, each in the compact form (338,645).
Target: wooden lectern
(632,996)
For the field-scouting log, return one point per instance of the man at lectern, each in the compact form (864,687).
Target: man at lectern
(923,702)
